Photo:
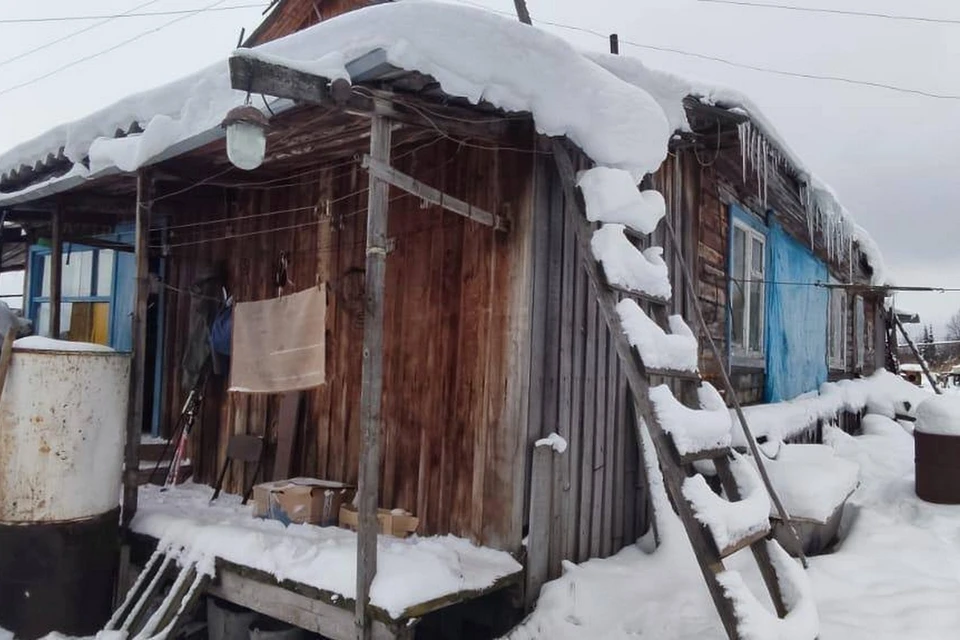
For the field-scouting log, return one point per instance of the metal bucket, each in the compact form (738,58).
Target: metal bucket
(937,460)
(62,426)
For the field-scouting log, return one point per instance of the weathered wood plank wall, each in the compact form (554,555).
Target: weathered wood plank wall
(455,298)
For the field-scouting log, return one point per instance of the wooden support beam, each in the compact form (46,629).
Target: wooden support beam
(386,173)
(371,388)
(255,75)
(139,332)
(541,517)
(56,271)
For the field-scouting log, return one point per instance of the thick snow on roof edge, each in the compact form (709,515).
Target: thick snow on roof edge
(669,91)
(472,53)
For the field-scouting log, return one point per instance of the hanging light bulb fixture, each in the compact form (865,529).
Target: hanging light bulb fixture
(246,136)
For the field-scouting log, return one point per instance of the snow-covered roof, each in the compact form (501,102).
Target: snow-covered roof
(620,112)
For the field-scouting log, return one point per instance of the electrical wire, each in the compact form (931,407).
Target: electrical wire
(73,34)
(842,12)
(110,49)
(741,65)
(132,13)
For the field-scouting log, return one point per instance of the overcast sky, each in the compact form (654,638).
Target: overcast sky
(894,158)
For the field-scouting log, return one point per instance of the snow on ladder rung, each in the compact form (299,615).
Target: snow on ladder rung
(733,525)
(626,267)
(693,431)
(756,622)
(659,350)
(611,195)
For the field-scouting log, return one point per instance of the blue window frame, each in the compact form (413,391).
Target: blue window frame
(88,284)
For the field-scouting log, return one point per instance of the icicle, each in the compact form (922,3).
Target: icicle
(743,132)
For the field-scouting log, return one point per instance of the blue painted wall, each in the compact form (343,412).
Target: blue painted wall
(796,340)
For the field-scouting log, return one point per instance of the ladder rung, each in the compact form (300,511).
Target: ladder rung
(745,542)
(706,454)
(642,296)
(675,373)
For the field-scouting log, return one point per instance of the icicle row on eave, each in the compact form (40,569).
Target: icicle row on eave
(760,156)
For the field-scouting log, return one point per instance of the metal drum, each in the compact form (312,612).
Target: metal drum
(62,426)
(937,449)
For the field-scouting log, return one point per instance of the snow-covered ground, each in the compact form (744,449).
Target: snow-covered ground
(895,575)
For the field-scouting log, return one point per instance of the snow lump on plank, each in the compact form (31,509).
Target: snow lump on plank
(611,195)
(675,351)
(627,267)
(692,430)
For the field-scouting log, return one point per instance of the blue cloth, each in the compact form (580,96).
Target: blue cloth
(796,340)
(221,333)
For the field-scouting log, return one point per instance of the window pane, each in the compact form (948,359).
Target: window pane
(105,272)
(45,287)
(756,266)
(77,273)
(756,318)
(89,322)
(737,287)
(43,320)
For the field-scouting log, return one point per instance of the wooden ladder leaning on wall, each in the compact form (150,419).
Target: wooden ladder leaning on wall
(676,468)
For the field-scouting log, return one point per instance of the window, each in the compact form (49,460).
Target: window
(86,286)
(859,331)
(747,275)
(837,328)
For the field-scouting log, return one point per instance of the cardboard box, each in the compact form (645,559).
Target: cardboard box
(397,523)
(301,500)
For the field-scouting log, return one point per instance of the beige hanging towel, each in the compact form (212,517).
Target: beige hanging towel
(278,344)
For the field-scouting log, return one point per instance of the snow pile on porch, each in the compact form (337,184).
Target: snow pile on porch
(811,480)
(895,575)
(882,393)
(410,571)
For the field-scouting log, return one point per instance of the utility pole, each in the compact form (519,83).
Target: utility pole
(522,12)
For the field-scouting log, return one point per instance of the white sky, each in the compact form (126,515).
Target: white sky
(893,158)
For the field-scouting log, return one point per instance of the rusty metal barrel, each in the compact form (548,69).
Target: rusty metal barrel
(937,450)
(62,427)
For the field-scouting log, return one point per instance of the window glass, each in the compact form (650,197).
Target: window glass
(738,293)
(747,266)
(43,320)
(45,269)
(77,273)
(756,318)
(105,262)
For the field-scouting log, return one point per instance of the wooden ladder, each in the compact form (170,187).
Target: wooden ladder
(676,468)
(147,611)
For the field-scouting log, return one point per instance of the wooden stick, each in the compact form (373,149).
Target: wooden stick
(6,354)
(916,353)
(371,388)
(56,272)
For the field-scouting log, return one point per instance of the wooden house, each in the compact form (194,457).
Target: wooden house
(492,335)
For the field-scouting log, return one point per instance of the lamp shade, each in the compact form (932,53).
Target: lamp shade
(246,137)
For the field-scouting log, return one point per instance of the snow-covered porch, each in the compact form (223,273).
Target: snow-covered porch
(306,575)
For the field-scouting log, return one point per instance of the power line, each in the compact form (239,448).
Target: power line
(73,34)
(133,13)
(102,52)
(841,12)
(742,65)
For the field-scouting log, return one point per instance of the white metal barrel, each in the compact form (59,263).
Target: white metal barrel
(62,431)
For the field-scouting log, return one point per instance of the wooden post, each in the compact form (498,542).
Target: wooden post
(56,272)
(614,44)
(541,517)
(371,389)
(139,332)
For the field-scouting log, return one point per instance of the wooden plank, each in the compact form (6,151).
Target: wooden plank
(575,440)
(371,389)
(287,422)
(291,607)
(139,332)
(541,506)
(388,174)
(56,271)
(6,355)
(589,429)
(256,76)
(598,415)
